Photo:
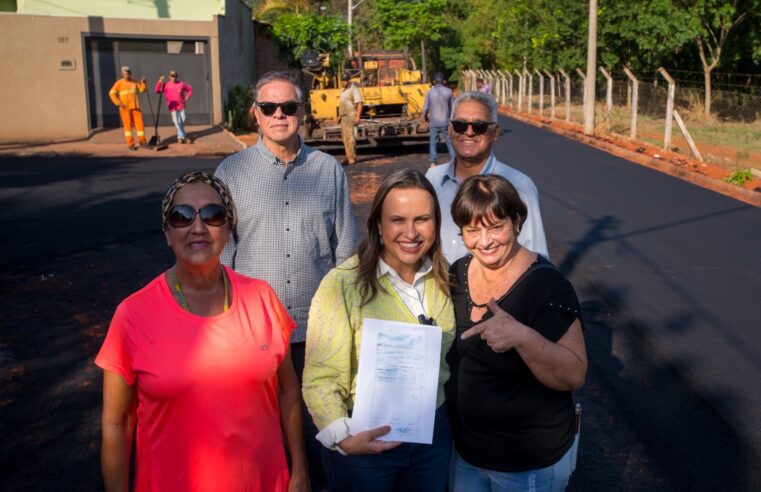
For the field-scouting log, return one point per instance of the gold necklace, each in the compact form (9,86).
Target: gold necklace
(181,297)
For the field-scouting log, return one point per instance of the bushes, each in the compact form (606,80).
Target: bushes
(239,101)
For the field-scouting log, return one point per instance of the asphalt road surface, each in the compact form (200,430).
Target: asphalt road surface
(667,274)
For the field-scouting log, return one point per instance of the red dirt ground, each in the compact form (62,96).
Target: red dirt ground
(686,162)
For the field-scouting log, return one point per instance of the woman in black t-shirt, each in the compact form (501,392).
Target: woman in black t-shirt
(518,355)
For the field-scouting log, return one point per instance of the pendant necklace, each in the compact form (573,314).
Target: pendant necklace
(181,297)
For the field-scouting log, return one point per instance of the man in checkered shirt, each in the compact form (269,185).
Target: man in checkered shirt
(295,219)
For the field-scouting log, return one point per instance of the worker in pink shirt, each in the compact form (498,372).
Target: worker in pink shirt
(177,93)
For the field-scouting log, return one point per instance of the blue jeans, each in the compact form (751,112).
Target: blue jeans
(464,477)
(179,122)
(433,140)
(406,468)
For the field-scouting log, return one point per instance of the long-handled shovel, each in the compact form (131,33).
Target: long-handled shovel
(155,140)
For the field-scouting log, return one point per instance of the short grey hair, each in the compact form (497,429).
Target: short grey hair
(275,76)
(487,100)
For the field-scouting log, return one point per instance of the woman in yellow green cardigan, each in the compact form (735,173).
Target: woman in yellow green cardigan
(399,274)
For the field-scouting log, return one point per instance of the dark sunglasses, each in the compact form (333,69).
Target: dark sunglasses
(479,127)
(288,108)
(212,214)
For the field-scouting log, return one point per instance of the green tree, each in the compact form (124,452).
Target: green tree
(406,23)
(712,22)
(641,35)
(543,34)
(269,10)
(296,33)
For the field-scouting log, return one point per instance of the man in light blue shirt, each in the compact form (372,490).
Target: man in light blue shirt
(436,110)
(473,130)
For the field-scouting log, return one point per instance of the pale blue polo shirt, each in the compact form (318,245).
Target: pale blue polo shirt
(444,181)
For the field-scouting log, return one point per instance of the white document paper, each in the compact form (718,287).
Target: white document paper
(397,380)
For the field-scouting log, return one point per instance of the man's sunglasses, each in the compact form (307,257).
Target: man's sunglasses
(288,108)
(212,214)
(479,127)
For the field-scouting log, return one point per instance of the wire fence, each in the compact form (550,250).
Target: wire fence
(729,136)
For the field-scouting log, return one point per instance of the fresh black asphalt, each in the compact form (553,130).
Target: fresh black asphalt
(670,277)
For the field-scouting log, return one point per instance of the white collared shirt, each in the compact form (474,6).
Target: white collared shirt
(413,295)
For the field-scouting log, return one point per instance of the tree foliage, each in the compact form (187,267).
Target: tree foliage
(544,34)
(405,23)
(296,33)
(641,35)
(270,10)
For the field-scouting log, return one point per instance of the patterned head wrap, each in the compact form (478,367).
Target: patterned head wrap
(199,176)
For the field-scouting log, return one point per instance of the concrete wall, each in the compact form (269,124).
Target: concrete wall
(203,10)
(41,100)
(236,46)
(268,57)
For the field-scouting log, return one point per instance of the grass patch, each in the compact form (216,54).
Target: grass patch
(739,177)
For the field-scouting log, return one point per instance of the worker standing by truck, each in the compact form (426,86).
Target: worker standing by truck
(436,111)
(349,113)
(124,95)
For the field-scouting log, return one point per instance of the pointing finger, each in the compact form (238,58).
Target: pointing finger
(476,330)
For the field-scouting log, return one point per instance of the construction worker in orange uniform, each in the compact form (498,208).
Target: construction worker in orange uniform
(124,96)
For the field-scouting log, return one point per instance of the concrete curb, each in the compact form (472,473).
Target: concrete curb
(242,144)
(744,195)
(204,154)
(212,148)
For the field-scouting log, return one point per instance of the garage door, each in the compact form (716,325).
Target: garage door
(152,58)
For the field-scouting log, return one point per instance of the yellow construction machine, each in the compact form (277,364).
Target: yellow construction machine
(392,89)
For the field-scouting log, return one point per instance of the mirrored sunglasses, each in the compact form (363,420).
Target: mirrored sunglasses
(212,214)
(288,108)
(479,127)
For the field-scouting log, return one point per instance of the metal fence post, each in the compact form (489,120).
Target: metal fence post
(541,91)
(669,107)
(497,85)
(504,88)
(530,92)
(634,87)
(520,89)
(608,98)
(551,76)
(567,94)
(584,80)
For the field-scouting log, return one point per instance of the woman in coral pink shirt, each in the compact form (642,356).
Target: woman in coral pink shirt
(198,361)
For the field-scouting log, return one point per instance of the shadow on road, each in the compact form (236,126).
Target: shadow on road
(655,429)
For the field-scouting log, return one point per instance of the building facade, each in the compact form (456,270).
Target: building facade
(61,57)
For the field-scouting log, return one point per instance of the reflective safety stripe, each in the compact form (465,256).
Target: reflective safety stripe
(129,91)
(113,92)
(128,134)
(140,134)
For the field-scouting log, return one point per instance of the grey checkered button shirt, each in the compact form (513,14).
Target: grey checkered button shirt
(295,222)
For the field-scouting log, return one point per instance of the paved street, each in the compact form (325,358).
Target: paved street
(670,276)
(667,273)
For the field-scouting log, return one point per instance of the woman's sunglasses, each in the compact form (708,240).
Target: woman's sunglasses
(212,214)
(288,108)
(479,127)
